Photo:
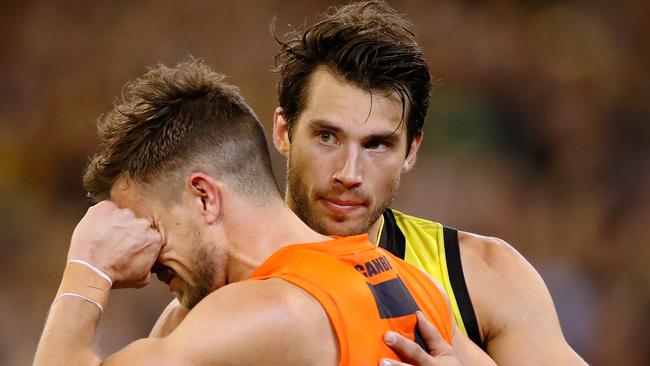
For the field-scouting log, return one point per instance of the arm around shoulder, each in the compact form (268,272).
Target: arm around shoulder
(249,323)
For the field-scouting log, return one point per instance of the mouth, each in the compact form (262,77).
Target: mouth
(342,207)
(164,273)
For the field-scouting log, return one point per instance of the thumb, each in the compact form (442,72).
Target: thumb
(434,341)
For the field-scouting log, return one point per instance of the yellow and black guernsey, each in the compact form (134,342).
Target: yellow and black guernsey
(433,248)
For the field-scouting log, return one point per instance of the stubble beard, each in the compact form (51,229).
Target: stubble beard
(205,278)
(303,209)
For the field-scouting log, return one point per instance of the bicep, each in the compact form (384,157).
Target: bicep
(532,334)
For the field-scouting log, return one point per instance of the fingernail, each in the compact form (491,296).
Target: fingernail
(389,338)
(384,363)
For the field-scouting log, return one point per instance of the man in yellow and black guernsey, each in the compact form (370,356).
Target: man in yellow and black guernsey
(353,92)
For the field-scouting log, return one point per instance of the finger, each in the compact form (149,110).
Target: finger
(105,204)
(406,349)
(153,236)
(389,362)
(437,345)
(145,281)
(141,221)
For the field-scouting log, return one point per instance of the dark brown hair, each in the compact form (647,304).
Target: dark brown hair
(176,119)
(366,43)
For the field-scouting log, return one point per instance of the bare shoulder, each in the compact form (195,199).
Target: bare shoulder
(515,312)
(493,255)
(251,322)
(501,282)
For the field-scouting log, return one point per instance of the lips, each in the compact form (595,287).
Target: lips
(341,207)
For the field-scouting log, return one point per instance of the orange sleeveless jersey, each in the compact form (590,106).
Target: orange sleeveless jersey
(365,291)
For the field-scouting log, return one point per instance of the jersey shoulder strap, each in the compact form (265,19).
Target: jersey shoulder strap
(394,239)
(457,279)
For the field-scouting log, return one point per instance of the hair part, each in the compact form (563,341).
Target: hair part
(366,43)
(175,120)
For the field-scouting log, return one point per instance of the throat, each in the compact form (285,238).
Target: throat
(375,230)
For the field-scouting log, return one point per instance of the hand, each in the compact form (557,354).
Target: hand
(441,353)
(114,240)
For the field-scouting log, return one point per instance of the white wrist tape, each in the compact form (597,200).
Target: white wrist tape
(95,269)
(101,308)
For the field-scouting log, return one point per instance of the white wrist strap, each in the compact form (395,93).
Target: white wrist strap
(95,269)
(101,308)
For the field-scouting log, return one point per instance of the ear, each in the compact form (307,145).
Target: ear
(281,132)
(413,152)
(205,196)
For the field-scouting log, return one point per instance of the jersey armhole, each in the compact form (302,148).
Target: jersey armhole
(457,279)
(391,238)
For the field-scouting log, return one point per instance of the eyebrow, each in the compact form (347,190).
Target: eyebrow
(323,124)
(391,135)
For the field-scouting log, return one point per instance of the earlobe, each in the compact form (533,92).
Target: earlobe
(280,132)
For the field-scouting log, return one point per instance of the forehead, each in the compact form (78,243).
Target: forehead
(350,108)
(126,193)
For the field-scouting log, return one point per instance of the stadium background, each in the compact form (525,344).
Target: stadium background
(538,133)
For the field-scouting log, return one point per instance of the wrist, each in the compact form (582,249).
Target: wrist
(82,280)
(100,272)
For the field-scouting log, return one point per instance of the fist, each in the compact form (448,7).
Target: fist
(114,240)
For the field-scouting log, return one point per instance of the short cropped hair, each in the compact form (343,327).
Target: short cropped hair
(173,120)
(367,44)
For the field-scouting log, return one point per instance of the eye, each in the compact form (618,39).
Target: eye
(325,137)
(378,145)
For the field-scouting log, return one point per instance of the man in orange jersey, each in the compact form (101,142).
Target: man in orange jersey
(184,186)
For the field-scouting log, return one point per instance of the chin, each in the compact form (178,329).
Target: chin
(346,228)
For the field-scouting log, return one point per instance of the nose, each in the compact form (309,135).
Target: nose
(349,172)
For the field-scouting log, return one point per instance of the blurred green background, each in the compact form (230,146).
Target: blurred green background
(538,133)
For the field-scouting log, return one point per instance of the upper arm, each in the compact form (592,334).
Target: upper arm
(467,352)
(249,323)
(148,352)
(514,308)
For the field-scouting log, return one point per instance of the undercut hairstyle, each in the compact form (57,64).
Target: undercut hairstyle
(365,43)
(176,120)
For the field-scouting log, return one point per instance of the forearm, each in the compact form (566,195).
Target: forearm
(69,333)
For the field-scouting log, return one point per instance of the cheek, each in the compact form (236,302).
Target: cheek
(383,174)
(309,168)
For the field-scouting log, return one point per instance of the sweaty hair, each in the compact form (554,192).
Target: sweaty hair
(367,44)
(175,120)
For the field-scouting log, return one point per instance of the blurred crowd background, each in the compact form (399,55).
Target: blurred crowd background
(538,133)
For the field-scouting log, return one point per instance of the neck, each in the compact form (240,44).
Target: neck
(256,232)
(373,232)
